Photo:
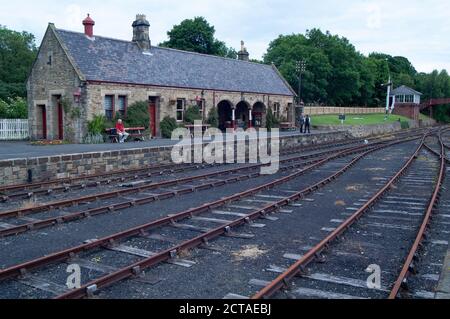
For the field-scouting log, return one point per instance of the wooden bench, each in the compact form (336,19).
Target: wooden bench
(287,126)
(136,133)
(191,128)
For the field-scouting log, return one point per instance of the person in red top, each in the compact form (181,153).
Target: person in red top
(120,128)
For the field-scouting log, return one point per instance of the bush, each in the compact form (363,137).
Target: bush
(138,115)
(93,139)
(97,125)
(14,108)
(213,117)
(405,125)
(168,125)
(271,120)
(192,114)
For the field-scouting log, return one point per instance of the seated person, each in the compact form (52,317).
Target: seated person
(120,128)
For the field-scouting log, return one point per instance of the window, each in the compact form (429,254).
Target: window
(181,104)
(122,107)
(276,110)
(201,105)
(400,99)
(109,106)
(409,98)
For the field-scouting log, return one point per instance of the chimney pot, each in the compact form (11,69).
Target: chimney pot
(89,26)
(243,55)
(141,33)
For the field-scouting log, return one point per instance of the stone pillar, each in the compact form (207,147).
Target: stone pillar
(233,118)
(250,118)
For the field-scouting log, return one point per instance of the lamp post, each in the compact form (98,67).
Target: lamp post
(300,67)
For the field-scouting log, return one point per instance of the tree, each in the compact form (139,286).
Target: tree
(138,115)
(271,120)
(168,125)
(332,74)
(17,53)
(213,117)
(197,35)
(286,50)
(192,114)
(13,108)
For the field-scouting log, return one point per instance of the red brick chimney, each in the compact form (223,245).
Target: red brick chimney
(89,26)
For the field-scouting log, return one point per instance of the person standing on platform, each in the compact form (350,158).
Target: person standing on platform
(302,123)
(308,124)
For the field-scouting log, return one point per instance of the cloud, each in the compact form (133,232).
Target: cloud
(412,28)
(374,18)
(73,16)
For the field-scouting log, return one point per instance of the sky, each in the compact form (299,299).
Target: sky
(416,29)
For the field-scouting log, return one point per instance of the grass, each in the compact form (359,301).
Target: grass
(424,117)
(355,119)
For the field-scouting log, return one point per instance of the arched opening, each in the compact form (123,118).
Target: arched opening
(242,115)
(224,108)
(259,115)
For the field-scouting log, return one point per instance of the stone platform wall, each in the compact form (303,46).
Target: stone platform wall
(76,165)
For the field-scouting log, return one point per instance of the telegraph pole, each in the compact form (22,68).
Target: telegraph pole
(300,67)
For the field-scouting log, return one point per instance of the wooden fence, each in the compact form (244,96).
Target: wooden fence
(13,130)
(324,110)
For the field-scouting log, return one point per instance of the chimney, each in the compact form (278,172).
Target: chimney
(89,26)
(243,55)
(141,34)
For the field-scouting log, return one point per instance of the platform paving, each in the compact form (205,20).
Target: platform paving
(443,291)
(23,150)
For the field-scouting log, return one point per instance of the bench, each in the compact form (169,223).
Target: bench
(287,126)
(136,133)
(191,128)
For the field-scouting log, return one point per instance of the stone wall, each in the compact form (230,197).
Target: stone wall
(359,131)
(75,165)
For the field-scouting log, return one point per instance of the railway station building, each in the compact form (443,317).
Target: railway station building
(79,75)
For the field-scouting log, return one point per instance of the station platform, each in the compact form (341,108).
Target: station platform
(443,291)
(25,150)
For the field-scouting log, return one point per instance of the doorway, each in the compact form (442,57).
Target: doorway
(42,122)
(152,102)
(60,121)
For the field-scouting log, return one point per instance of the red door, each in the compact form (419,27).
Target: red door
(60,122)
(152,112)
(44,122)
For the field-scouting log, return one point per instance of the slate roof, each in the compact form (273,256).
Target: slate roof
(111,60)
(404,90)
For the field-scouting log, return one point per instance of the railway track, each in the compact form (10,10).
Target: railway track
(375,237)
(18,221)
(66,185)
(216,212)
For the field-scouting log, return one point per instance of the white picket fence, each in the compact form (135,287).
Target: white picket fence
(15,129)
